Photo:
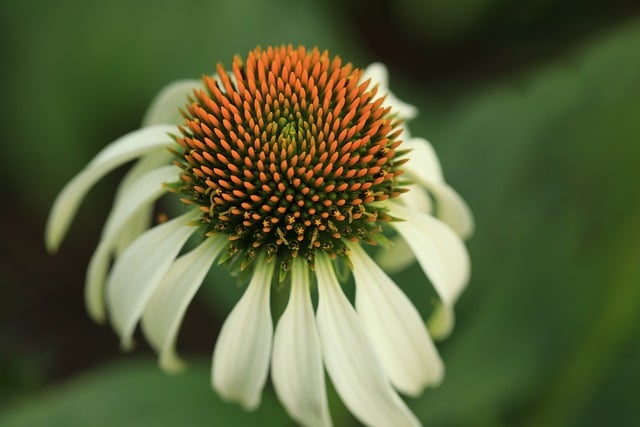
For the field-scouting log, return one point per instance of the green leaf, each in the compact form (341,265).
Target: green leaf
(548,163)
(137,393)
(82,75)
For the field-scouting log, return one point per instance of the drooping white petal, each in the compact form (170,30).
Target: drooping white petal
(136,226)
(423,162)
(378,74)
(350,358)
(94,281)
(145,190)
(118,152)
(399,255)
(138,271)
(396,257)
(453,210)
(136,198)
(441,322)
(424,167)
(166,307)
(296,365)
(165,107)
(241,357)
(440,252)
(395,327)
(417,199)
(145,164)
(405,133)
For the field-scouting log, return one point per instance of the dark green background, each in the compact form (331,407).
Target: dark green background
(533,107)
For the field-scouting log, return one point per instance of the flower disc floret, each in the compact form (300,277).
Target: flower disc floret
(289,152)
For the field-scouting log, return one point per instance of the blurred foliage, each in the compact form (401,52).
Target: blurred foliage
(441,20)
(136,393)
(66,54)
(547,158)
(547,163)
(450,22)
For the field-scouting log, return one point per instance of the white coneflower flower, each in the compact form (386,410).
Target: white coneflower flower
(288,165)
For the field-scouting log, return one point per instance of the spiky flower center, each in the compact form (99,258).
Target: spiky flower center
(288,153)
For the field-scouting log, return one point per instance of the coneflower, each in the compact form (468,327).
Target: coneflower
(289,165)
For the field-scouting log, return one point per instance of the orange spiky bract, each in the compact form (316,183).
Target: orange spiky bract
(288,153)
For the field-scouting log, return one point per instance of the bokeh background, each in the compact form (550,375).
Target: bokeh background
(533,107)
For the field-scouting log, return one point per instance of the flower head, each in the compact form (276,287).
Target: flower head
(288,164)
(287,154)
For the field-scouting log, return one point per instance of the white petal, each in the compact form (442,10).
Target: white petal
(166,308)
(417,198)
(165,107)
(138,271)
(405,134)
(440,252)
(137,224)
(441,322)
(118,152)
(296,366)
(241,356)
(399,255)
(395,327)
(144,191)
(94,281)
(136,198)
(145,164)
(396,257)
(424,167)
(351,361)
(453,210)
(423,162)
(378,74)
(142,220)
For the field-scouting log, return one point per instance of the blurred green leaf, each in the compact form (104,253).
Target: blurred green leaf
(548,163)
(82,74)
(137,393)
(441,20)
